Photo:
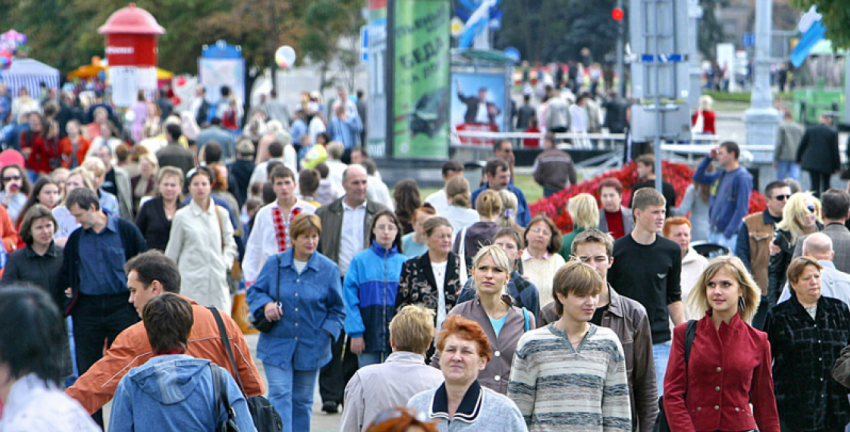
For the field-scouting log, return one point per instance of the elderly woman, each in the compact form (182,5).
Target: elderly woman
(464,352)
(541,260)
(299,291)
(489,207)
(39,262)
(678,229)
(414,243)
(370,288)
(801,216)
(459,212)
(493,310)
(584,212)
(806,335)
(727,360)
(201,242)
(155,216)
(435,278)
(615,218)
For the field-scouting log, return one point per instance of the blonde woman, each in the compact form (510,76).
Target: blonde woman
(510,204)
(489,207)
(801,216)
(584,211)
(723,342)
(459,212)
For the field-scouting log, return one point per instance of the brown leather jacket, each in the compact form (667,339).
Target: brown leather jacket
(760,234)
(131,348)
(627,318)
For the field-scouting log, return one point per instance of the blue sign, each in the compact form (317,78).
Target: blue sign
(662,58)
(512,53)
(748,39)
(364,44)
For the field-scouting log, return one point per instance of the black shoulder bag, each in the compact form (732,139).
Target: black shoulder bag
(220,396)
(661,421)
(266,418)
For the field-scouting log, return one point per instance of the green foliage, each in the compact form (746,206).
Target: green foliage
(325,22)
(836,15)
(710,29)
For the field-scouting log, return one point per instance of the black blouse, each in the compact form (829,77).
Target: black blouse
(24,265)
(154,225)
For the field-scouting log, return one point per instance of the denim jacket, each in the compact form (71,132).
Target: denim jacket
(313,311)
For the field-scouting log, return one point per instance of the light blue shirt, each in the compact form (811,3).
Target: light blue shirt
(498,324)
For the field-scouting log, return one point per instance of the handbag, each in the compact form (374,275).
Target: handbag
(219,396)
(265,417)
(259,320)
(661,424)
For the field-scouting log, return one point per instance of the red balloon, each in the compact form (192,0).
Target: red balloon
(181,81)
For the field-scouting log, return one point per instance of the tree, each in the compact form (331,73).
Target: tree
(836,15)
(326,21)
(710,29)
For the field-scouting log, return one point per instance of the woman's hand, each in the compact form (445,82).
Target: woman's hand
(358,345)
(273,311)
(774,249)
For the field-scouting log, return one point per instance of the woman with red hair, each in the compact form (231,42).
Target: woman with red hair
(678,229)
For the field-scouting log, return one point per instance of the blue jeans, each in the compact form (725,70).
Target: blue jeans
(661,355)
(370,358)
(785,169)
(291,394)
(719,238)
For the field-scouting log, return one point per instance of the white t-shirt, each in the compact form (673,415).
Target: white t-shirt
(439,270)
(438,200)
(299,265)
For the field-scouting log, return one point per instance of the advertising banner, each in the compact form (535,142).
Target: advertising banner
(478,104)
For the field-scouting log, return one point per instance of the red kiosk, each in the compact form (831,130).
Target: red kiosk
(131,48)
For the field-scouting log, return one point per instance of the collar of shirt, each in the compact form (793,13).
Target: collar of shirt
(197,210)
(526,255)
(111,225)
(468,409)
(51,251)
(345,206)
(406,357)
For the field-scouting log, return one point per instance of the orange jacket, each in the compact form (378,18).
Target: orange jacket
(131,348)
(8,233)
(65,149)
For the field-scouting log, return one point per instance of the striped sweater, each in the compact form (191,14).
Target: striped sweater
(558,388)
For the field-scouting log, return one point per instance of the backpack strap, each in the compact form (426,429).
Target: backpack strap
(220,392)
(690,334)
(525,316)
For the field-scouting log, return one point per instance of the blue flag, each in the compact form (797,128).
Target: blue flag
(807,42)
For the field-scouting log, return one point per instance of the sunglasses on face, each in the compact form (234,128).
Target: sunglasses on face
(10,178)
(782,197)
(811,208)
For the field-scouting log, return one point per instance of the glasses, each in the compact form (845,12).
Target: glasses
(541,231)
(599,259)
(388,228)
(10,178)
(811,208)
(782,197)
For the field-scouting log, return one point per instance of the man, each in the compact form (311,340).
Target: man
(261,174)
(615,218)
(68,110)
(818,153)
(785,155)
(242,168)
(753,246)
(346,225)
(200,106)
(116,182)
(648,268)
(730,196)
(835,206)
(505,150)
(149,275)
(298,131)
(174,154)
(164,104)
(362,109)
(628,319)
(553,168)
(498,174)
(834,282)
(439,200)
(214,132)
(572,374)
(336,166)
(478,109)
(615,113)
(377,388)
(557,114)
(646,172)
(345,128)
(525,113)
(100,103)
(275,109)
(92,276)
(270,233)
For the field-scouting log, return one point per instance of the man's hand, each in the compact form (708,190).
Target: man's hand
(713,153)
(358,345)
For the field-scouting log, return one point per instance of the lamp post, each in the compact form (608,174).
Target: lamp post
(761,118)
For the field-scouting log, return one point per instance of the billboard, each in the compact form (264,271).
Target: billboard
(478,103)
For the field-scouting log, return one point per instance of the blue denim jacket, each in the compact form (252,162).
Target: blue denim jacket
(313,311)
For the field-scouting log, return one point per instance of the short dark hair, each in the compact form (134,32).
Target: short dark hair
(173,130)
(215,121)
(212,152)
(200,170)
(168,320)
(494,164)
(33,337)
(370,165)
(835,204)
(498,144)
(281,172)
(323,169)
(648,160)
(768,190)
(399,230)
(276,149)
(270,167)
(35,213)
(732,147)
(555,241)
(84,198)
(155,265)
(611,182)
(452,166)
(308,182)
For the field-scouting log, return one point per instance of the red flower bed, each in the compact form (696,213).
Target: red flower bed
(678,174)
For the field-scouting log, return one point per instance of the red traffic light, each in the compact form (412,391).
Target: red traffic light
(617,14)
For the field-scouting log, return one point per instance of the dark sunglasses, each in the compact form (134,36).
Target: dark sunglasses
(10,178)
(782,197)
(811,208)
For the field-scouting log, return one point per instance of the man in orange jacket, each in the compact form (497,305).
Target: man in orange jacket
(148,275)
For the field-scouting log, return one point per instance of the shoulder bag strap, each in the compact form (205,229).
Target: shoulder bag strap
(525,316)
(220,225)
(216,380)
(221,392)
(226,341)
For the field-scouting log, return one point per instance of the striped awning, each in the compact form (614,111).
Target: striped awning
(29,73)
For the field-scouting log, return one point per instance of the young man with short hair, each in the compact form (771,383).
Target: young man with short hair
(439,200)
(498,174)
(647,268)
(646,174)
(730,197)
(571,374)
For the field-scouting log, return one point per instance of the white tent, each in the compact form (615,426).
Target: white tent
(29,73)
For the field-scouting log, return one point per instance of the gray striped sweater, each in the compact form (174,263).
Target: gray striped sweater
(558,388)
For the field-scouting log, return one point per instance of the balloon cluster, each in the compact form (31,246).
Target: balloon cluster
(10,42)
(285,57)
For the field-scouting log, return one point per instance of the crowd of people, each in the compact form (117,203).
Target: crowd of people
(456,311)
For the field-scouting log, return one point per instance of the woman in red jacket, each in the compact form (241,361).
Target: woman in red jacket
(728,367)
(706,124)
(41,144)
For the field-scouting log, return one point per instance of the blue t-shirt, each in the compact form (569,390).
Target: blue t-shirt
(498,324)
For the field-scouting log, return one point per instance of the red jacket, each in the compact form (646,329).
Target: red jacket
(728,369)
(707,121)
(43,151)
(65,149)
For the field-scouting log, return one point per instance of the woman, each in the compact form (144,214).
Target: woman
(460,200)
(201,242)
(615,218)
(414,243)
(489,207)
(541,260)
(155,217)
(39,262)
(695,202)
(509,209)
(801,216)
(584,212)
(493,310)
(41,144)
(140,113)
(108,201)
(702,121)
(65,221)
(726,356)
(436,277)
(678,229)
(370,289)
(807,334)
(144,184)
(107,137)
(14,189)
(407,200)
(299,290)
(464,352)
(46,193)
(74,147)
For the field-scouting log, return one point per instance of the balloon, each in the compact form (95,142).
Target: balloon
(5,62)
(95,60)
(285,56)
(181,81)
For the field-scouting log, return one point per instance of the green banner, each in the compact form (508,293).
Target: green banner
(421,79)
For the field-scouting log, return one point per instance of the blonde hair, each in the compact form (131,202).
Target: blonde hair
(457,190)
(509,209)
(748,302)
(584,211)
(85,176)
(488,204)
(412,329)
(95,166)
(500,258)
(795,209)
(705,102)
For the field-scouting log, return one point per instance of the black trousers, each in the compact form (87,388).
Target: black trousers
(98,320)
(820,182)
(335,375)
